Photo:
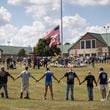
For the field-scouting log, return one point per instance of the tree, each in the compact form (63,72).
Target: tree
(21,52)
(42,48)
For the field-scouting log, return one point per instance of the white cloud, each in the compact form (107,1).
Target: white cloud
(7,32)
(24,36)
(56,3)
(29,35)
(31,2)
(73,28)
(90,2)
(38,9)
(76,26)
(5,16)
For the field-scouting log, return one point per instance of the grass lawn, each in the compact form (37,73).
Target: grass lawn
(36,90)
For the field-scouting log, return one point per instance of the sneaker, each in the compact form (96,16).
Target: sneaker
(105,99)
(7,97)
(26,97)
(21,95)
(66,99)
(102,100)
(2,95)
(72,99)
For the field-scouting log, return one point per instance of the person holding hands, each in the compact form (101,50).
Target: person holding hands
(48,82)
(90,79)
(70,75)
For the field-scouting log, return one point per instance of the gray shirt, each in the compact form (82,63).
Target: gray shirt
(25,77)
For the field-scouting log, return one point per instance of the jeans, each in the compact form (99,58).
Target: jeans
(90,93)
(70,87)
(5,89)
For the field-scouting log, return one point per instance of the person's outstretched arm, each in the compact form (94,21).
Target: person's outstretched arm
(11,76)
(55,78)
(108,80)
(78,79)
(17,77)
(61,79)
(34,78)
(82,81)
(95,82)
(41,78)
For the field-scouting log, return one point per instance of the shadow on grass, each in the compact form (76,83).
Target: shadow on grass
(11,98)
(40,99)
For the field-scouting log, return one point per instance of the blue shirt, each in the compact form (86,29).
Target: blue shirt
(48,76)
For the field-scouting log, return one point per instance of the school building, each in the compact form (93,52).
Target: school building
(91,44)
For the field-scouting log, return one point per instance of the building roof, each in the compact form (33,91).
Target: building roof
(65,47)
(13,50)
(104,38)
(98,36)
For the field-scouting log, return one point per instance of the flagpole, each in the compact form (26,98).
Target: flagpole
(61,28)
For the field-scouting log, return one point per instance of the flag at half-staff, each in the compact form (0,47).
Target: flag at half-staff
(55,40)
(52,33)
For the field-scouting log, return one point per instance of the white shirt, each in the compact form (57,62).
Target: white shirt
(25,77)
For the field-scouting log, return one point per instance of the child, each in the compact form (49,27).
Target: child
(48,82)
(90,79)
(25,82)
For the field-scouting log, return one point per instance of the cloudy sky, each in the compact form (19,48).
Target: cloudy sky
(23,22)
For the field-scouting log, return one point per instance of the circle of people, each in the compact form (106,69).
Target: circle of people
(70,75)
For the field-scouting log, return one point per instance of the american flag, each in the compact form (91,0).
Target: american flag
(52,33)
(55,40)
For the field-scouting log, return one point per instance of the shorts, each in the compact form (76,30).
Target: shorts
(25,87)
(103,86)
(48,83)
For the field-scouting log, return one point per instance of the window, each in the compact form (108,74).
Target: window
(88,44)
(82,45)
(93,54)
(81,55)
(93,44)
(87,54)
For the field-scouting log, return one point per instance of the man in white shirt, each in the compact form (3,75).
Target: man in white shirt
(25,75)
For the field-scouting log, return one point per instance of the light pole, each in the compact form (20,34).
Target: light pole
(8,42)
(106,29)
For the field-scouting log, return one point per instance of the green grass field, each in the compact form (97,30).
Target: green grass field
(36,101)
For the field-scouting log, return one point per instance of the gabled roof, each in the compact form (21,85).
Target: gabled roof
(14,49)
(98,37)
(104,38)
